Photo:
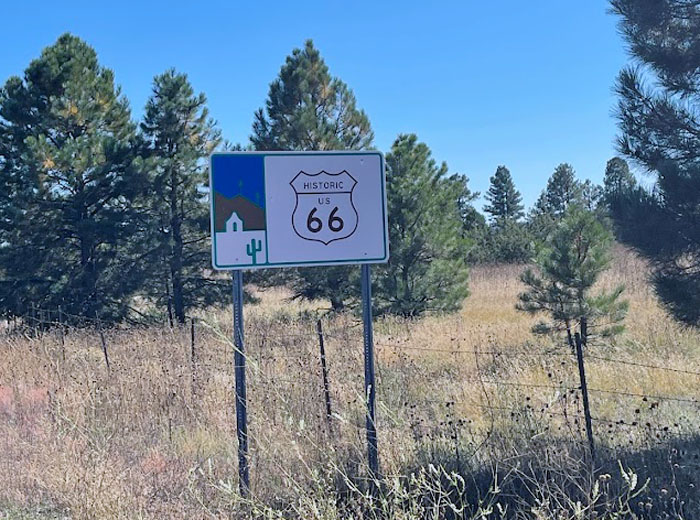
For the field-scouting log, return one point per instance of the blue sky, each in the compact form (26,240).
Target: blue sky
(525,84)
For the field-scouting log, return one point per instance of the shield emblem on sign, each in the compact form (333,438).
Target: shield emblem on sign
(324,210)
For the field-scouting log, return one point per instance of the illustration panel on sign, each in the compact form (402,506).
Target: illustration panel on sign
(239,213)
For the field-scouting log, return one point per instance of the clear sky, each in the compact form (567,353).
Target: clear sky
(483,83)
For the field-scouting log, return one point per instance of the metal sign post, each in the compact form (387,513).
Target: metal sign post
(239,369)
(370,384)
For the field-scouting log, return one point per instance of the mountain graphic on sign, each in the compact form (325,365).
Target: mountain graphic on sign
(252,215)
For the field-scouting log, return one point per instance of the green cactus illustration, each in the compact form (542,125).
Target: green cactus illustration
(253,249)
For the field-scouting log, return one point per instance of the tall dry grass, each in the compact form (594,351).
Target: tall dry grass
(154,436)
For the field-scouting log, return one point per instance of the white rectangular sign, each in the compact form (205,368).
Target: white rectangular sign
(285,209)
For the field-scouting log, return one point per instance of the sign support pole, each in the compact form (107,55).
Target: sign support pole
(370,384)
(239,369)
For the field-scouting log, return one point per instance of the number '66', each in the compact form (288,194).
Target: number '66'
(315,224)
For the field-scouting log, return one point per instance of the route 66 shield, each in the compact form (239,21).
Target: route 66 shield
(324,210)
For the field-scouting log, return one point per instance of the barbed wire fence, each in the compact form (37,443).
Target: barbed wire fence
(539,405)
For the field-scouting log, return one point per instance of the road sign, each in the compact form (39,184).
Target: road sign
(285,209)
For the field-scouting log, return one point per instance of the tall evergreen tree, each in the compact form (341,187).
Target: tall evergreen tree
(308,109)
(473,222)
(426,269)
(506,239)
(660,130)
(179,137)
(505,202)
(618,179)
(562,190)
(591,195)
(67,165)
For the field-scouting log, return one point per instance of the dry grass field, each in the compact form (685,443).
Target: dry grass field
(477,417)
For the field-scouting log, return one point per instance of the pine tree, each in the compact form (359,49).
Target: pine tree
(591,195)
(308,109)
(562,190)
(68,167)
(426,269)
(506,239)
(179,137)
(505,202)
(511,243)
(473,222)
(567,267)
(660,130)
(618,179)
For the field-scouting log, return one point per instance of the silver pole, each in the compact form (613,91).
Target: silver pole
(370,384)
(239,369)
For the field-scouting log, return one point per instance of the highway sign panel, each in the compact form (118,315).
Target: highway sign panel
(285,209)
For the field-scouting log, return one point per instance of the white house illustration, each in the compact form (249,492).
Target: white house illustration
(234,223)
(238,247)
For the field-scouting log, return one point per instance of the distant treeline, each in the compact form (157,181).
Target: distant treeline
(107,217)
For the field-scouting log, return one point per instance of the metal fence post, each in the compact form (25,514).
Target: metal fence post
(193,358)
(103,341)
(239,368)
(62,335)
(584,393)
(324,374)
(370,384)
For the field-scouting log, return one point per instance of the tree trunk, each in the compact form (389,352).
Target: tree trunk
(570,338)
(170,302)
(406,290)
(88,280)
(176,251)
(176,272)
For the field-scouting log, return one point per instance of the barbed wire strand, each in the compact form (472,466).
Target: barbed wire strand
(644,396)
(642,365)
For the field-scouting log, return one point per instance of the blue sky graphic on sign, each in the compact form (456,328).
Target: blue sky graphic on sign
(244,176)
